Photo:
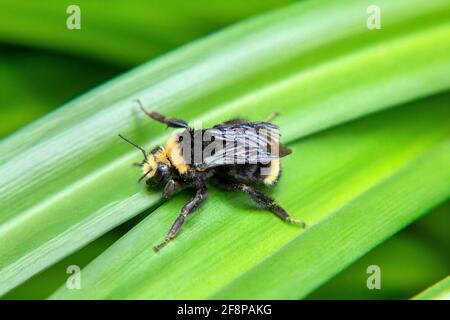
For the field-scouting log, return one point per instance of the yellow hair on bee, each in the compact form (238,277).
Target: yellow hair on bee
(149,167)
(274,172)
(153,160)
(175,155)
(161,156)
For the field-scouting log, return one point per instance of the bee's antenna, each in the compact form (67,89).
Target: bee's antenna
(135,145)
(141,105)
(143,176)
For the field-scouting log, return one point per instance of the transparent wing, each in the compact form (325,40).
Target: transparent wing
(244,143)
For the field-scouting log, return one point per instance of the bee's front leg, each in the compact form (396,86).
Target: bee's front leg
(188,208)
(172,186)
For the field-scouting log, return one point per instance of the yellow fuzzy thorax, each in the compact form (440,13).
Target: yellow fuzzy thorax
(174,153)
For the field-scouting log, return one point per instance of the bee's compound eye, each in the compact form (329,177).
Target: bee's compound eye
(160,175)
(163,169)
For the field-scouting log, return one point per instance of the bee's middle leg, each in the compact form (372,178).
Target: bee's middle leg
(188,208)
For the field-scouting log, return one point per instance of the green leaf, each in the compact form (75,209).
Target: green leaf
(376,179)
(439,291)
(402,273)
(66,179)
(123,33)
(44,284)
(387,208)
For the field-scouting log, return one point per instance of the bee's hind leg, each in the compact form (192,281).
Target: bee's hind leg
(170,122)
(261,199)
(188,208)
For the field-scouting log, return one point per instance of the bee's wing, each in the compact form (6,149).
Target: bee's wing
(248,143)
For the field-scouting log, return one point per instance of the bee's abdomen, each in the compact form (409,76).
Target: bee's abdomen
(267,174)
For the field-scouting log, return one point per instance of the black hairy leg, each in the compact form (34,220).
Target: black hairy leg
(188,208)
(170,122)
(261,199)
(173,186)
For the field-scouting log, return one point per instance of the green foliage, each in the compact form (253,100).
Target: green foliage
(67,178)
(121,32)
(113,36)
(409,262)
(439,291)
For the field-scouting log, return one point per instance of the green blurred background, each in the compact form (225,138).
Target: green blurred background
(43,65)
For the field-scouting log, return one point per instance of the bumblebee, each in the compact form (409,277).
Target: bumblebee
(236,155)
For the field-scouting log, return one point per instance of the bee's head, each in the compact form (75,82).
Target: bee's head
(155,166)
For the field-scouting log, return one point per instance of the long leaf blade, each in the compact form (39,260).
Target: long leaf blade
(438,291)
(347,235)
